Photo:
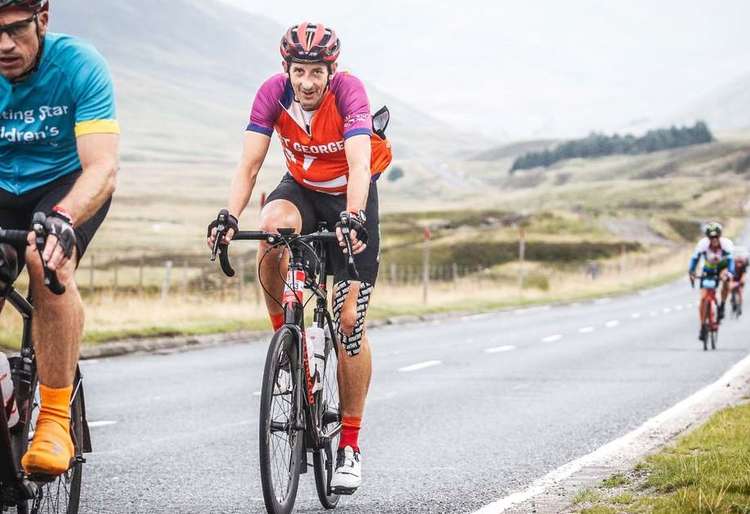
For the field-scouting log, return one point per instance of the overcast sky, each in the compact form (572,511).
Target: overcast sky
(536,68)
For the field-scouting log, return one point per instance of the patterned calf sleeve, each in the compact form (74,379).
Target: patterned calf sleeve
(353,342)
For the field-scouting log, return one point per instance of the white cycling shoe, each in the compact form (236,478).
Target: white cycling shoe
(348,474)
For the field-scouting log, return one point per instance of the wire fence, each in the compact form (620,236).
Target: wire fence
(149,275)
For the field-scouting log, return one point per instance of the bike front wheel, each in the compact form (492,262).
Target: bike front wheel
(324,459)
(280,433)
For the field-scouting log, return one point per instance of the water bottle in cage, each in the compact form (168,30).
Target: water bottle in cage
(316,354)
(9,398)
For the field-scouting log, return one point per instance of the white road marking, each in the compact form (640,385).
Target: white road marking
(666,310)
(95,424)
(635,315)
(612,323)
(653,314)
(586,330)
(420,365)
(498,349)
(650,428)
(678,307)
(552,338)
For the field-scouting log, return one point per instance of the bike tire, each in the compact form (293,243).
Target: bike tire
(714,338)
(280,357)
(324,459)
(707,325)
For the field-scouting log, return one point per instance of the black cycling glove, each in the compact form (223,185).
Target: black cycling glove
(231,222)
(59,225)
(355,222)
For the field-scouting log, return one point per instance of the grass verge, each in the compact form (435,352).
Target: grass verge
(707,471)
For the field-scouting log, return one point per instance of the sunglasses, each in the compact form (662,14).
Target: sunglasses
(17,29)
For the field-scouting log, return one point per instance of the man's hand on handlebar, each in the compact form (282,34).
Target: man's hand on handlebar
(59,242)
(227,224)
(354,225)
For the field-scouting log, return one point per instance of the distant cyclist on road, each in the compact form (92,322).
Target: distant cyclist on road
(740,268)
(323,121)
(58,156)
(718,262)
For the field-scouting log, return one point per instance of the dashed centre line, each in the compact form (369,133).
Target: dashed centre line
(666,310)
(552,338)
(499,349)
(420,365)
(612,323)
(95,424)
(586,330)
(635,315)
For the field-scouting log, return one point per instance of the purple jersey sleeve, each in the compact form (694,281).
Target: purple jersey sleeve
(267,105)
(352,103)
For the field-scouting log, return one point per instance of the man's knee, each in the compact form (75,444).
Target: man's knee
(280,214)
(65,275)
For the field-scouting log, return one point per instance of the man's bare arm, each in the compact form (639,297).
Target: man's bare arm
(254,150)
(99,161)
(358,154)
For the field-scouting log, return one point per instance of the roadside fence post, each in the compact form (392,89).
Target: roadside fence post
(167,280)
(521,257)
(92,263)
(241,285)
(140,275)
(185,277)
(116,277)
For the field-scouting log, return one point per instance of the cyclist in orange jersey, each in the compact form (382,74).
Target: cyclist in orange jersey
(323,121)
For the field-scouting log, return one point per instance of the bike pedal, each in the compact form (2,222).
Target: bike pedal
(344,491)
(42,478)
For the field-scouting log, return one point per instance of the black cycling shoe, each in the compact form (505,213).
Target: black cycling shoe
(721,311)
(703,334)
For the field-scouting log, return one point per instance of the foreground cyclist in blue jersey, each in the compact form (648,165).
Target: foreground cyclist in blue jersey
(58,156)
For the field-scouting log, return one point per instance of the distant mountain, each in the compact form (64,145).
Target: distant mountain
(513,150)
(726,108)
(186,72)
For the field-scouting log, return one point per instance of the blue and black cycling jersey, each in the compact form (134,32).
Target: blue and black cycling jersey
(68,96)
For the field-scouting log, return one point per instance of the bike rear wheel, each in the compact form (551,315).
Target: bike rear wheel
(281,437)
(707,324)
(713,333)
(324,459)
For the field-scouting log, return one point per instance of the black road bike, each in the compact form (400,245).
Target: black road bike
(300,419)
(35,494)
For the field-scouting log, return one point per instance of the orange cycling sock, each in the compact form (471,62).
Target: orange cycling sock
(277,320)
(350,432)
(52,449)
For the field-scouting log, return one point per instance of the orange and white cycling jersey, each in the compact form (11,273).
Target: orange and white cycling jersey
(314,142)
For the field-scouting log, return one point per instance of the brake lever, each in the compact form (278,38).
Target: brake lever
(40,236)
(350,266)
(221,228)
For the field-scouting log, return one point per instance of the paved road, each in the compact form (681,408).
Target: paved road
(461,412)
